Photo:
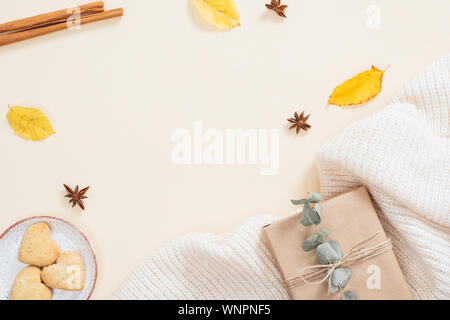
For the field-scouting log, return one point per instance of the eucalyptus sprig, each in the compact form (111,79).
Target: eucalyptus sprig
(327,252)
(310,215)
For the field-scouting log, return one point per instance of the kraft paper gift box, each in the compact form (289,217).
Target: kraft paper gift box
(350,218)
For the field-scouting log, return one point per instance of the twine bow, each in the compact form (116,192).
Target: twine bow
(325,271)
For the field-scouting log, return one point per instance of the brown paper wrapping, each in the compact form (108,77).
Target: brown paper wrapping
(350,217)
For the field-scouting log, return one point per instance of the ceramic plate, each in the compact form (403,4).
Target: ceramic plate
(68,238)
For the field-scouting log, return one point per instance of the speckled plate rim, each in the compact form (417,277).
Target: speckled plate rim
(73,226)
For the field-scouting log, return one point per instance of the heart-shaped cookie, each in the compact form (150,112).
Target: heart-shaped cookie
(66,274)
(37,248)
(28,286)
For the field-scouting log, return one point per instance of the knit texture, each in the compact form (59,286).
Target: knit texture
(208,266)
(402,155)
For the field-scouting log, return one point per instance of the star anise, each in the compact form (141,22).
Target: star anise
(299,122)
(76,196)
(276,6)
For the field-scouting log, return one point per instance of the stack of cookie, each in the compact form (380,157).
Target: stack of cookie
(48,268)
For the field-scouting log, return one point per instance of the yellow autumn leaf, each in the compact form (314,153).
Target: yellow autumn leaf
(219,13)
(29,123)
(358,89)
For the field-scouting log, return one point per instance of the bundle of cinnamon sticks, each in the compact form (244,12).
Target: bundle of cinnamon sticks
(23,29)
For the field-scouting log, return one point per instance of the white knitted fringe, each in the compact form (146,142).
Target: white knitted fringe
(208,266)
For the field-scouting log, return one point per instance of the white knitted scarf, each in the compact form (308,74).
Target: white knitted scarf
(401,154)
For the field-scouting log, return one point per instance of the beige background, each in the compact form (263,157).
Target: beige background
(116,90)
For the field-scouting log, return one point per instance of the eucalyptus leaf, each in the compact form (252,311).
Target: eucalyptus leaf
(328,252)
(309,216)
(314,197)
(340,277)
(314,240)
(348,295)
(331,287)
(322,235)
(336,247)
(311,242)
(301,201)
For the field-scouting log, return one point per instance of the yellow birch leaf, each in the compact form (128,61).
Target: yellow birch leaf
(358,89)
(29,123)
(219,13)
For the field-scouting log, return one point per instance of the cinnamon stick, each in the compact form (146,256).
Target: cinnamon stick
(13,37)
(48,18)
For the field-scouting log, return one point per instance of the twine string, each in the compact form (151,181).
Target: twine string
(323,272)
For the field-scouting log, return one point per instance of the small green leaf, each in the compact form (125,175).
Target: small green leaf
(297,202)
(309,216)
(314,240)
(331,287)
(348,295)
(336,247)
(322,235)
(339,279)
(328,252)
(314,197)
(310,243)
